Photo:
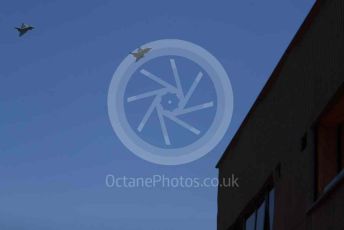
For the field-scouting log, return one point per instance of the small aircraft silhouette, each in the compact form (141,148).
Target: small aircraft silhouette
(23,29)
(140,53)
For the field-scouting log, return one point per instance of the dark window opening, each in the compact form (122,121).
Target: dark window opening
(330,145)
(263,216)
(303,142)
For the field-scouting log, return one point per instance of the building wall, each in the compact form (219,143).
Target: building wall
(311,72)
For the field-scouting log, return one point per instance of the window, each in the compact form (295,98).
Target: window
(330,145)
(262,218)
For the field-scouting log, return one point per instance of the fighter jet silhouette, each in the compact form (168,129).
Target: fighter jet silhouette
(140,53)
(23,29)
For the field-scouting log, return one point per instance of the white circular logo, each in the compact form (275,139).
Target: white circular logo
(170,102)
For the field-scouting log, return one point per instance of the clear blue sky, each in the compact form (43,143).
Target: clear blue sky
(56,141)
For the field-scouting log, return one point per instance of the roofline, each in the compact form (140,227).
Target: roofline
(275,74)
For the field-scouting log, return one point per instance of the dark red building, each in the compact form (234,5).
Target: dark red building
(289,152)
